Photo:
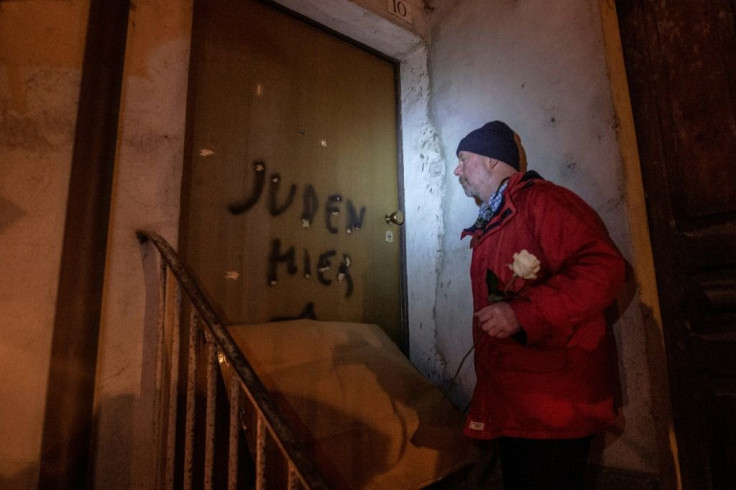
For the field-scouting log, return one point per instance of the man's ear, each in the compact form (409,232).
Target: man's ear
(522,153)
(490,163)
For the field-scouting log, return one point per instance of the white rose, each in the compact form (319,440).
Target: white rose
(525,265)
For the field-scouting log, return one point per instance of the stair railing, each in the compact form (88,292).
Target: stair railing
(190,439)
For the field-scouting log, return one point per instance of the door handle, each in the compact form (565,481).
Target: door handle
(397,218)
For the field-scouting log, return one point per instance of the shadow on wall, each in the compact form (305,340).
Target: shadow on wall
(26,478)
(659,393)
(123,422)
(9,213)
(113,468)
(614,314)
(117,462)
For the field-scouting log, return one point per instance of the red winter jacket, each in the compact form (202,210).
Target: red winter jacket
(559,384)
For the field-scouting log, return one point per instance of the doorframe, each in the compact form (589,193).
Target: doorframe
(419,155)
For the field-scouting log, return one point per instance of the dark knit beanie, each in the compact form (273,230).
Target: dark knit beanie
(494,140)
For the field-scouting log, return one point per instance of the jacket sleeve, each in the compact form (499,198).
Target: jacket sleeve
(584,270)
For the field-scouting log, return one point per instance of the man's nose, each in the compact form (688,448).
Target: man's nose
(457,170)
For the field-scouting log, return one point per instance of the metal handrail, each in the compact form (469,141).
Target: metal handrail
(301,470)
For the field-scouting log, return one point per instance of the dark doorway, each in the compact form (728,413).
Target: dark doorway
(680,60)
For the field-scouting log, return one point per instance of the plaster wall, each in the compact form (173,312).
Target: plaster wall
(41,50)
(146,194)
(541,67)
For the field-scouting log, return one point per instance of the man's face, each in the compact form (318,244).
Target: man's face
(474,175)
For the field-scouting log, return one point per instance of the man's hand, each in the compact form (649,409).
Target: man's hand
(498,320)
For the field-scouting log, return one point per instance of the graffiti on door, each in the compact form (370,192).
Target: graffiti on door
(337,211)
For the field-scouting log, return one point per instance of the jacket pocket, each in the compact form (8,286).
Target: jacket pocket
(534,359)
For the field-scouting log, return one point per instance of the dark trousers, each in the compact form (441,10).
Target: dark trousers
(543,464)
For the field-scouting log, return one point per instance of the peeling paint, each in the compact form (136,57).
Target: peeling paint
(39,131)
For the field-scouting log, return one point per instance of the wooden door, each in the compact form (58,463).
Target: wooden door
(681,63)
(291,171)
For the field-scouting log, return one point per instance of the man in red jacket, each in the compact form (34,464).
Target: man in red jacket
(543,270)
